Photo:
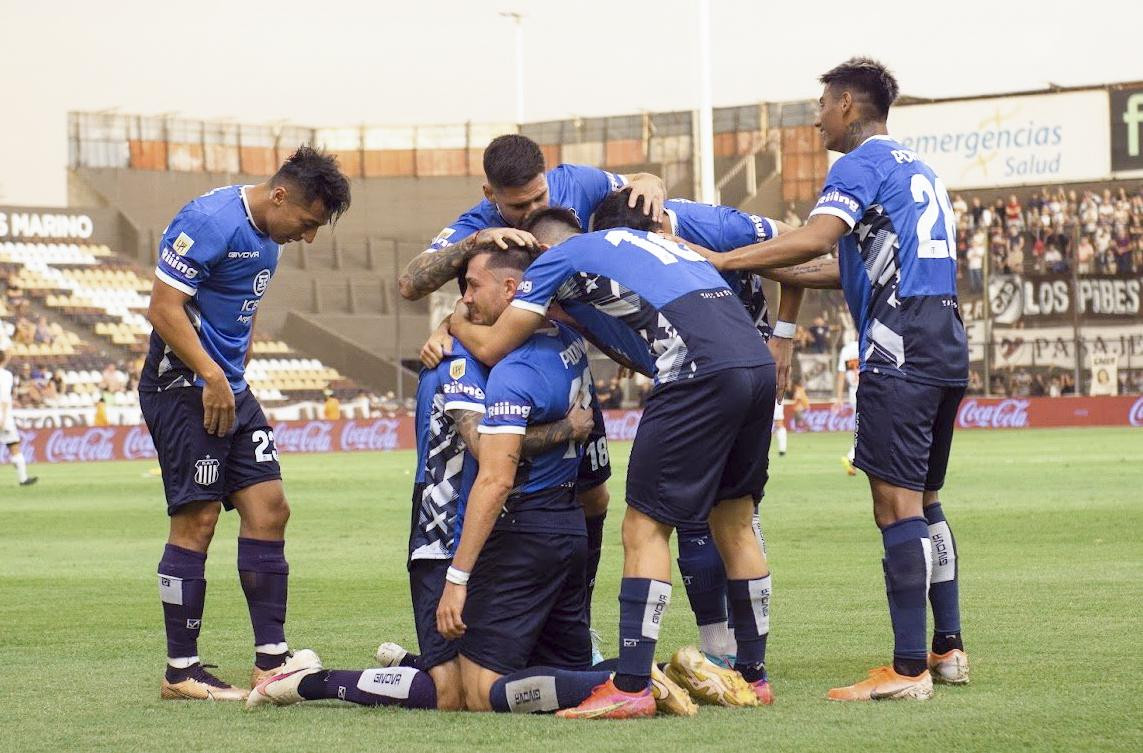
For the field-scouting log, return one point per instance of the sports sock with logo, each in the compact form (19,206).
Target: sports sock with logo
(642,604)
(750,604)
(594,551)
(704,578)
(944,596)
(543,689)
(264,573)
(17,459)
(907,562)
(782,437)
(386,686)
(182,589)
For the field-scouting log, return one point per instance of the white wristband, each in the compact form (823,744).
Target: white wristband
(785,329)
(456,576)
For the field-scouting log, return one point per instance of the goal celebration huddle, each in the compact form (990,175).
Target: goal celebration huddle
(510,492)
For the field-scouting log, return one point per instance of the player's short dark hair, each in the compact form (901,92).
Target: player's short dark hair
(316,174)
(868,77)
(547,216)
(517,258)
(512,160)
(614,212)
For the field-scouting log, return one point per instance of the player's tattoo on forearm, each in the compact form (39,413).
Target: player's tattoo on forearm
(543,437)
(430,271)
(466,422)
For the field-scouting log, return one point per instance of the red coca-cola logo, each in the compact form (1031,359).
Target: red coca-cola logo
(622,425)
(1135,414)
(376,435)
(92,444)
(312,436)
(1004,414)
(826,419)
(137,444)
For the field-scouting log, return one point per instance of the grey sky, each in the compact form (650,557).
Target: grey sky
(447,61)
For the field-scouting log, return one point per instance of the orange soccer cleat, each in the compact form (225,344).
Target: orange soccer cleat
(609,702)
(885,684)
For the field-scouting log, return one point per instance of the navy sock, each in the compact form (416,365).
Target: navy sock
(543,689)
(703,576)
(750,603)
(906,564)
(642,604)
(944,596)
(387,686)
(264,573)
(182,589)
(594,552)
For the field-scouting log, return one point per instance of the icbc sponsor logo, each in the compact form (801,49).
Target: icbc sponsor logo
(137,445)
(1135,415)
(816,418)
(376,435)
(1002,414)
(311,436)
(91,444)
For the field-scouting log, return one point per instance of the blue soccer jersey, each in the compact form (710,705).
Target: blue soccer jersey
(898,262)
(445,471)
(724,229)
(213,252)
(575,187)
(660,295)
(538,383)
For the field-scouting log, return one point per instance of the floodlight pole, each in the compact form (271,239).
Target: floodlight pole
(707,191)
(518,21)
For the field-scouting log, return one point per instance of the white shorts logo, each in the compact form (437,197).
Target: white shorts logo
(206,471)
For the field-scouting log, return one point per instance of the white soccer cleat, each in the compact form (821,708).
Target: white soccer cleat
(950,667)
(282,689)
(390,655)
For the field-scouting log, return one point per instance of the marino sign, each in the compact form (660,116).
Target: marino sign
(1010,141)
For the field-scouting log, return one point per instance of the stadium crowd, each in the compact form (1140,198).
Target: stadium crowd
(1051,231)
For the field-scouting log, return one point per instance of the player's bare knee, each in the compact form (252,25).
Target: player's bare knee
(192,526)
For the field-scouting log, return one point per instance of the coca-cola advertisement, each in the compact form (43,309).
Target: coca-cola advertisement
(87,444)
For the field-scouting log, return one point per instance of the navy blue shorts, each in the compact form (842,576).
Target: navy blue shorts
(903,430)
(527,603)
(203,467)
(595,467)
(701,441)
(426,584)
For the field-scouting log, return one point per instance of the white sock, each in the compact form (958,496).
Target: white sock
(781,439)
(272,648)
(852,453)
(21,466)
(182,662)
(714,638)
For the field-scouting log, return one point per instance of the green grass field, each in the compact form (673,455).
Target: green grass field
(1048,524)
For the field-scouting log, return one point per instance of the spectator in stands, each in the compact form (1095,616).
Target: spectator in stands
(331,410)
(1014,261)
(976,262)
(17,303)
(1123,252)
(100,418)
(819,334)
(25,332)
(1085,253)
(113,380)
(960,208)
(976,212)
(975,382)
(1013,215)
(1054,386)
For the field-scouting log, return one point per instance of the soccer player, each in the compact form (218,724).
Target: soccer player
(214,445)
(703,437)
(9,435)
(897,266)
(720,229)
(517,183)
(848,373)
